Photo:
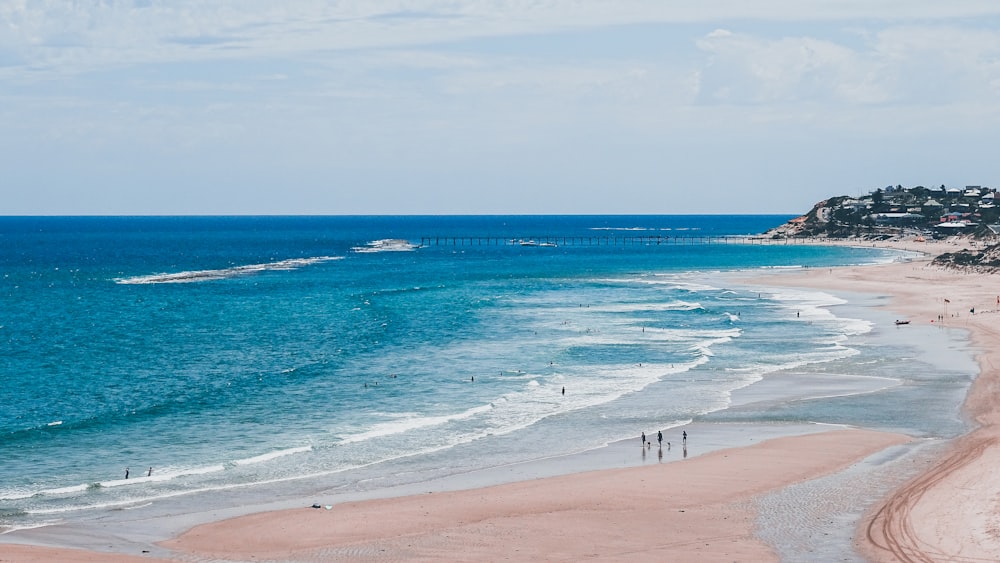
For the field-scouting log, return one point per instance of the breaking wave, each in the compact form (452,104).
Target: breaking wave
(224,273)
(387,245)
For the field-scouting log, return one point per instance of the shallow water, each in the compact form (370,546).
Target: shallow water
(230,354)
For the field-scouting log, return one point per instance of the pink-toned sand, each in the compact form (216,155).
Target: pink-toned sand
(698,509)
(693,510)
(952,512)
(36,554)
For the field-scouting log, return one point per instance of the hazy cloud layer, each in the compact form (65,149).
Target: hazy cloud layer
(489,107)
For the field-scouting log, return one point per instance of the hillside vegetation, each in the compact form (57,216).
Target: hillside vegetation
(919,213)
(894,211)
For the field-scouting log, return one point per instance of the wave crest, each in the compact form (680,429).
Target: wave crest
(387,245)
(224,273)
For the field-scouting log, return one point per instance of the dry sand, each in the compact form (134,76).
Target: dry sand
(951,512)
(692,510)
(698,509)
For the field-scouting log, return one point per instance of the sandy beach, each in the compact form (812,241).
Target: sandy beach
(948,513)
(696,509)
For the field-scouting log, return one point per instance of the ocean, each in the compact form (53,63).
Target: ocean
(219,355)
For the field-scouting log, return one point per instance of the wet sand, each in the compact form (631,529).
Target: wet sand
(952,511)
(696,509)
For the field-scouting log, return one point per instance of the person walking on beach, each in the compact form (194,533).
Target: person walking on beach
(659,438)
(685,437)
(643,445)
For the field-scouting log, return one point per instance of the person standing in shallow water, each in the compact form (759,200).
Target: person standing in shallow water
(643,441)
(659,438)
(126,472)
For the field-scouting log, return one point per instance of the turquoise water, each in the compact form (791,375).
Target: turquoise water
(224,352)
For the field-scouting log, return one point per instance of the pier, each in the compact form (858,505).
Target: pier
(604,240)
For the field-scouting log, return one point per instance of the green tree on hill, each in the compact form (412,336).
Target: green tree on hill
(878,198)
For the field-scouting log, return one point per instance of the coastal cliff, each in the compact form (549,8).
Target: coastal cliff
(897,213)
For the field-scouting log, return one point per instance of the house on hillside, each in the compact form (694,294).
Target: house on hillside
(897,219)
(931,207)
(949,228)
(855,204)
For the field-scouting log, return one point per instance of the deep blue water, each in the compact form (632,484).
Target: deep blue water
(224,351)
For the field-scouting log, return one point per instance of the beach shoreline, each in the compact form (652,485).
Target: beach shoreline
(948,511)
(554,512)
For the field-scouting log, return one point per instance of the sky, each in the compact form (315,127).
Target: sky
(385,107)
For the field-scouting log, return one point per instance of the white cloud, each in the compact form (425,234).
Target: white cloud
(751,69)
(902,64)
(67,35)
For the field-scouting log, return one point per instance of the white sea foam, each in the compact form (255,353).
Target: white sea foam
(819,298)
(410,422)
(224,273)
(758,370)
(273,455)
(814,306)
(647,307)
(855,327)
(700,340)
(65,490)
(386,245)
(670,281)
(32,526)
(165,474)
(539,400)
(16,494)
(705,337)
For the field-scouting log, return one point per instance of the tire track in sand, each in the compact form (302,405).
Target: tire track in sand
(891,528)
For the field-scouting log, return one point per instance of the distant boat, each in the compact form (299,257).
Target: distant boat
(902,323)
(548,244)
(528,243)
